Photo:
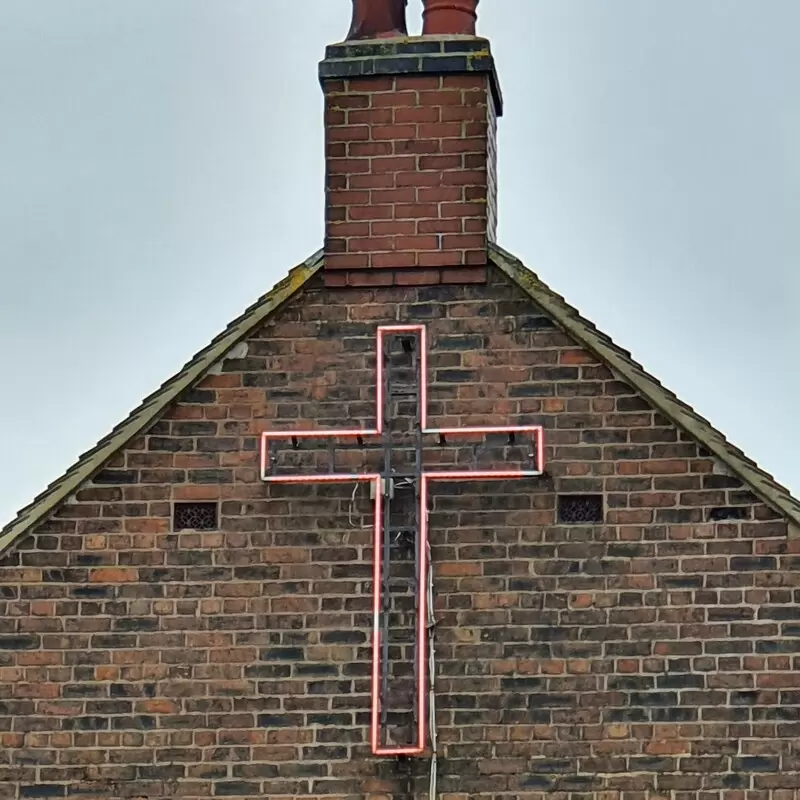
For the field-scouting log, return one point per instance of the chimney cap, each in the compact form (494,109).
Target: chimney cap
(419,55)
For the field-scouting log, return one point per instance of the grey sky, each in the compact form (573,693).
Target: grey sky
(161,167)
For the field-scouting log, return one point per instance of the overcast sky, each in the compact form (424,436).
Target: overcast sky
(161,167)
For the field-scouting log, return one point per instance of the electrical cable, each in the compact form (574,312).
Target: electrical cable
(434,768)
(351,507)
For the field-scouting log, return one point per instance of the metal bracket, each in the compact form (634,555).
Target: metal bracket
(387,488)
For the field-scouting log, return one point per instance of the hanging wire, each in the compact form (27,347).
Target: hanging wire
(432,781)
(351,508)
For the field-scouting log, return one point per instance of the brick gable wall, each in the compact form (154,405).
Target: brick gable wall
(653,656)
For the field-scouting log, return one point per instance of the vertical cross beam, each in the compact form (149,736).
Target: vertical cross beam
(381,486)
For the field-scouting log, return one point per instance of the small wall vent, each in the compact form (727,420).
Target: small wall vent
(195,516)
(580,509)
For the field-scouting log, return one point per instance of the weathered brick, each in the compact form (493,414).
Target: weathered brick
(656,648)
(404,159)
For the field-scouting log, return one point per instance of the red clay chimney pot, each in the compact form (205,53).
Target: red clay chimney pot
(456,17)
(378,19)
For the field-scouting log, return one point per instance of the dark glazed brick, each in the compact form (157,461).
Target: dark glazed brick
(755,764)
(343,637)
(43,790)
(237,789)
(750,563)
(194,428)
(578,783)
(199,396)
(133,624)
(317,670)
(398,65)
(168,445)
(450,64)
(277,721)
(282,654)
(387,48)
(731,512)
(84,690)
(24,642)
(116,642)
(464,46)
(114,476)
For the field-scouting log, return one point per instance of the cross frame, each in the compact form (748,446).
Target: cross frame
(379,487)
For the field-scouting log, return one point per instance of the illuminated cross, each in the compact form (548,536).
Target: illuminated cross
(381,486)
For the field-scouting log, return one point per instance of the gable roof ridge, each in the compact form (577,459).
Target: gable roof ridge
(566,316)
(764,485)
(154,404)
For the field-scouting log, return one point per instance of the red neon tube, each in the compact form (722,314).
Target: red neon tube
(375,479)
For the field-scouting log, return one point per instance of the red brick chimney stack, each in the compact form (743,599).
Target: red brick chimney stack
(410,133)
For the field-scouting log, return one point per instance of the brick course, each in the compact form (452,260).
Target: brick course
(654,656)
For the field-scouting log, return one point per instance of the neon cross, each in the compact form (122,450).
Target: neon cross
(376,480)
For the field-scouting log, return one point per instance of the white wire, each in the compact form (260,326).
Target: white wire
(432,781)
(351,507)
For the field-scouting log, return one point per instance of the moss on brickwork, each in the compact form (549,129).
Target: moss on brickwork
(584,332)
(153,406)
(763,484)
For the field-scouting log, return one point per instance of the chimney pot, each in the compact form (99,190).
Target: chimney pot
(378,19)
(455,17)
